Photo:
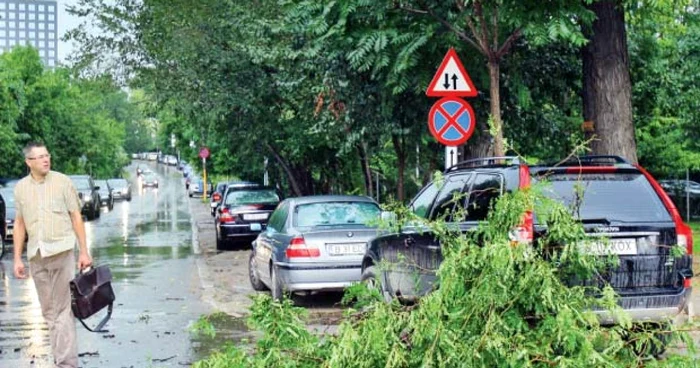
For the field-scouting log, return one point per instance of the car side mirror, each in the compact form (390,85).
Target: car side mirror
(97,188)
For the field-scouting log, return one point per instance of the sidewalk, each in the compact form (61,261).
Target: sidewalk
(224,276)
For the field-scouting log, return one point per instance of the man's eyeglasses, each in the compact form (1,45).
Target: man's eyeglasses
(40,157)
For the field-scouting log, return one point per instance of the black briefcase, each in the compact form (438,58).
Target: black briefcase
(91,291)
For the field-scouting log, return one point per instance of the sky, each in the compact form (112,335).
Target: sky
(65,23)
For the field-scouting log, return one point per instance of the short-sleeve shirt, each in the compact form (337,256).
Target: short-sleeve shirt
(45,207)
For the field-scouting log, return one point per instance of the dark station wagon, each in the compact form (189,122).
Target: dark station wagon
(621,202)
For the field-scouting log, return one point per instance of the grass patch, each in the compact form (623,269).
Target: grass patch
(695,225)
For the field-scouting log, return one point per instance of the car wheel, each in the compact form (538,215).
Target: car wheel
(111,205)
(96,213)
(253,274)
(276,289)
(370,277)
(220,243)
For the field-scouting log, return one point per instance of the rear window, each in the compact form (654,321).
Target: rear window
(117,183)
(243,197)
(335,213)
(81,183)
(624,197)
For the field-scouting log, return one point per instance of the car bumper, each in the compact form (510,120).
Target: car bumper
(656,308)
(239,230)
(318,277)
(120,195)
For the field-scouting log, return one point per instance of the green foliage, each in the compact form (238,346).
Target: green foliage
(497,305)
(72,116)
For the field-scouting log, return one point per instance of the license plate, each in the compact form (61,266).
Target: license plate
(344,249)
(255,227)
(612,246)
(255,216)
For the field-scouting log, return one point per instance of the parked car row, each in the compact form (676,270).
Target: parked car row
(320,243)
(95,194)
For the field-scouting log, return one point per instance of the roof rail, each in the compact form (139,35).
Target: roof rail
(592,160)
(486,161)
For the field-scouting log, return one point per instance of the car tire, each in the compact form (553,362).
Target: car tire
(276,289)
(255,281)
(370,277)
(111,205)
(96,214)
(221,244)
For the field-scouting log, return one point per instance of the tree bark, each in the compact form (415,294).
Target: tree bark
(401,162)
(364,162)
(494,90)
(607,92)
(290,174)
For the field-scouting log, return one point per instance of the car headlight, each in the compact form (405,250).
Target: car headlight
(87,197)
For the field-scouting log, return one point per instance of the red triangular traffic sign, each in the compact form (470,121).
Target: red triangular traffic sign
(451,79)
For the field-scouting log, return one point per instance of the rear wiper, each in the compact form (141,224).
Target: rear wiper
(601,220)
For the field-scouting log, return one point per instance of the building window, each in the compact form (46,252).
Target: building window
(11,42)
(12,6)
(51,9)
(22,25)
(32,7)
(41,8)
(42,35)
(3,42)
(51,17)
(42,26)
(52,35)
(31,25)
(22,16)
(2,24)
(41,16)
(32,34)
(21,6)
(3,33)
(51,26)
(11,15)
(11,24)
(11,34)
(52,63)
(52,53)
(2,6)
(22,34)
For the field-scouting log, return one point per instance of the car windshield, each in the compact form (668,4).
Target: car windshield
(150,177)
(102,184)
(610,196)
(335,213)
(81,183)
(9,196)
(117,183)
(243,197)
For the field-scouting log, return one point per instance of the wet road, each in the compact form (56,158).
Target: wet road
(148,245)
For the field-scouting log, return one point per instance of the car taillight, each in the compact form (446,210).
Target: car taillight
(216,197)
(525,231)
(684,235)
(226,216)
(298,249)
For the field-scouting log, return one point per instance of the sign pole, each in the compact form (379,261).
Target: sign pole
(204,170)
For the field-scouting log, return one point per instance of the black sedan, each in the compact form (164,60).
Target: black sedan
(243,214)
(106,198)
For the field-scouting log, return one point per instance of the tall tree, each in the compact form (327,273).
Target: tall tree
(607,88)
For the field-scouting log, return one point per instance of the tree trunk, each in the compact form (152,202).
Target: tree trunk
(364,162)
(290,174)
(607,97)
(401,162)
(494,90)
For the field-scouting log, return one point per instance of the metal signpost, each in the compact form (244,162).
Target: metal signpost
(204,154)
(451,120)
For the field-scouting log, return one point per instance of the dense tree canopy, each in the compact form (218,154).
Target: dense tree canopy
(332,93)
(82,121)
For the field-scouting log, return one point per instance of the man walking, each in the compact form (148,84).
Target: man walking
(48,211)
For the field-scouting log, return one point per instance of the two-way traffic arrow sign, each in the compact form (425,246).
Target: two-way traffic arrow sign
(451,79)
